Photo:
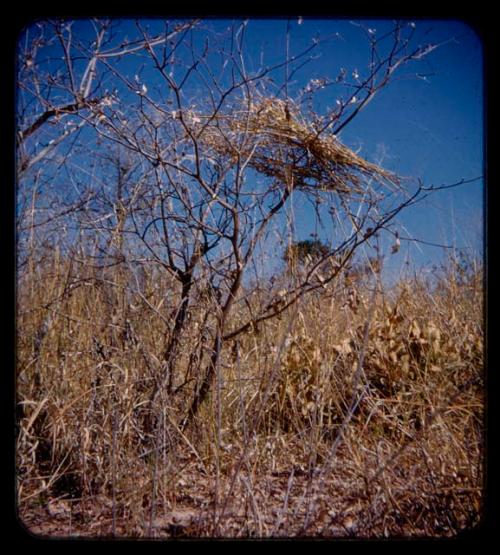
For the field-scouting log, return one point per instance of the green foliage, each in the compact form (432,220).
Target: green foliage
(303,252)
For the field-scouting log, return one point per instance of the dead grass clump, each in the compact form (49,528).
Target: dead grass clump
(279,143)
(299,387)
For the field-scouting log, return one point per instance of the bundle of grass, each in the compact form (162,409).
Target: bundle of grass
(279,143)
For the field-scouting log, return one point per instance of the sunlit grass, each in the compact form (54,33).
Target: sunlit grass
(337,418)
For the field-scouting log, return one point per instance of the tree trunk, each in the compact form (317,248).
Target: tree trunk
(210,371)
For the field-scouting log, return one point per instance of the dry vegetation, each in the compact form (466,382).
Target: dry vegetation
(167,385)
(289,147)
(352,414)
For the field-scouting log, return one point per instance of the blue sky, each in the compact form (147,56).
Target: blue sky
(426,124)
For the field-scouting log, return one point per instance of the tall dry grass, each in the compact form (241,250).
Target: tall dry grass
(359,412)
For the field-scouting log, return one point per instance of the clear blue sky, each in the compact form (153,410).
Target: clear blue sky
(426,124)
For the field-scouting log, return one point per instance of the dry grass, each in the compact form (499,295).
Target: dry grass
(296,439)
(278,142)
